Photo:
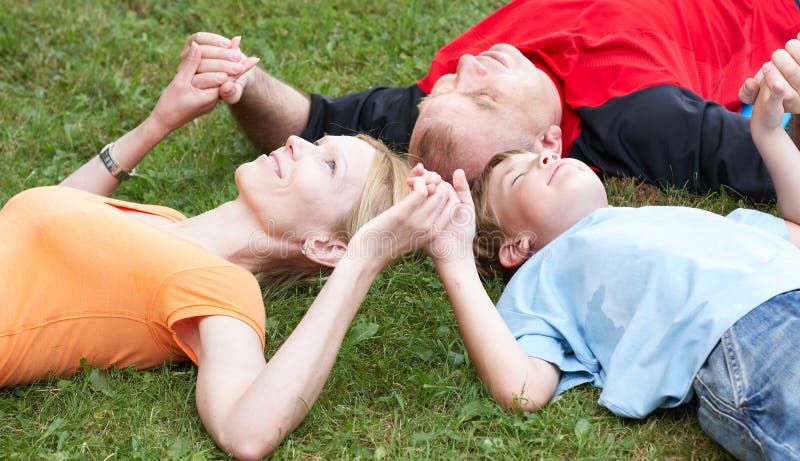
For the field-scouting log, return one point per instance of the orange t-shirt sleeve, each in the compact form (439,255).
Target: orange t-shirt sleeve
(223,290)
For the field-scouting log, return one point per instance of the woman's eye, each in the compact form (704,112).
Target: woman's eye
(516,177)
(332,165)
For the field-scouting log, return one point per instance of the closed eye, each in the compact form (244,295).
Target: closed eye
(516,177)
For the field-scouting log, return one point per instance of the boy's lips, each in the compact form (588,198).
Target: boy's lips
(558,165)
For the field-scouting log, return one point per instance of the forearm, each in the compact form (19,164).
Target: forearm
(284,391)
(128,151)
(783,163)
(506,370)
(270,110)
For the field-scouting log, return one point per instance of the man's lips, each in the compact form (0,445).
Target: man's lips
(497,56)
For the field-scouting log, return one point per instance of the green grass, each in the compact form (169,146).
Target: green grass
(76,76)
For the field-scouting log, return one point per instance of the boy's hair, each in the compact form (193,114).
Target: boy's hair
(489,234)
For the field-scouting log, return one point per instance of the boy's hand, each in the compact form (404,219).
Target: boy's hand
(453,241)
(787,62)
(768,109)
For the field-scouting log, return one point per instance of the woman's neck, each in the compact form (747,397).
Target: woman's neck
(231,232)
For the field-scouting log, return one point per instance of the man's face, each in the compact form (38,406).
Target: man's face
(496,101)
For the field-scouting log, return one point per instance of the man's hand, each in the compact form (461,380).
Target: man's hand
(787,62)
(223,64)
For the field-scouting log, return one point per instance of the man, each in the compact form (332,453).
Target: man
(638,88)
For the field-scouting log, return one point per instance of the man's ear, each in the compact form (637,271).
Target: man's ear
(517,250)
(551,139)
(325,251)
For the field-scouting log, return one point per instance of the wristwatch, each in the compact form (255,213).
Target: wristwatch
(112,166)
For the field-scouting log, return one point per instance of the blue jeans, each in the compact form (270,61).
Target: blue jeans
(748,390)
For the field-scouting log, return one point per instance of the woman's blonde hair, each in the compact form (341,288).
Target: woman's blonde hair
(489,234)
(385,186)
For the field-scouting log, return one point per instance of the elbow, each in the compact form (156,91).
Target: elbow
(253,450)
(517,399)
(248,447)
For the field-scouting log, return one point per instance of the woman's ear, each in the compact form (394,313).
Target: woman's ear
(515,251)
(325,251)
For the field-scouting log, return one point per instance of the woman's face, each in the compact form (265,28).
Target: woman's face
(303,189)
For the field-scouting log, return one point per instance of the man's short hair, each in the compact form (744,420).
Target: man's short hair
(436,149)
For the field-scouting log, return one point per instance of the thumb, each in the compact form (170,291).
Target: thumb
(461,185)
(189,66)
(230,92)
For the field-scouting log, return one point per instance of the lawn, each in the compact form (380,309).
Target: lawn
(76,75)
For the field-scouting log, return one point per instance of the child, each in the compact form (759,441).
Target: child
(656,305)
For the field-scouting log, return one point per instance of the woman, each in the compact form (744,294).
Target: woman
(124,284)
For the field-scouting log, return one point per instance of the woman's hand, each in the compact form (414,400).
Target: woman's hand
(182,101)
(408,225)
(223,64)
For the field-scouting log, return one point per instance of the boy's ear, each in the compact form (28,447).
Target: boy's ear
(551,139)
(325,251)
(515,251)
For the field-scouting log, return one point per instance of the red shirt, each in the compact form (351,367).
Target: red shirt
(595,50)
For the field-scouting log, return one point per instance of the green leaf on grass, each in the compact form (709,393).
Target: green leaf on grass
(362,332)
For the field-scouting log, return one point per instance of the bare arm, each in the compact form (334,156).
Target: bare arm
(267,109)
(128,151)
(776,148)
(250,406)
(179,103)
(514,379)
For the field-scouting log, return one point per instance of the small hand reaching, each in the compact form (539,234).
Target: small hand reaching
(768,109)
(786,61)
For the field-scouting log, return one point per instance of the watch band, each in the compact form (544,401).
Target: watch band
(112,166)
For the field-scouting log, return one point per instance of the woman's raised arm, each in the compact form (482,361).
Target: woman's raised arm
(179,103)
(248,405)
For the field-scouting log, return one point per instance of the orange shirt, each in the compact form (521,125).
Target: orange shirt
(79,278)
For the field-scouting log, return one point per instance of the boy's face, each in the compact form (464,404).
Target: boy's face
(542,195)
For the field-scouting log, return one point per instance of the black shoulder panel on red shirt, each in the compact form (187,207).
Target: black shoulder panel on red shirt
(667,135)
(382,112)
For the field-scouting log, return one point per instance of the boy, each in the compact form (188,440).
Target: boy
(654,304)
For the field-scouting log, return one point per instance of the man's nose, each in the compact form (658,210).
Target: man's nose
(468,68)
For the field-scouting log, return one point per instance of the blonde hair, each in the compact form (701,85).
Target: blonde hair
(489,234)
(385,186)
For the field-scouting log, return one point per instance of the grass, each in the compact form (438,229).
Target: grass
(76,76)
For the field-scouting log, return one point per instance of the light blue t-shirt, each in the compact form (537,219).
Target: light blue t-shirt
(634,299)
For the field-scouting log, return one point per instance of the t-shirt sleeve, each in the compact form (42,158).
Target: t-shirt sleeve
(382,112)
(225,290)
(668,135)
(540,340)
(763,221)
